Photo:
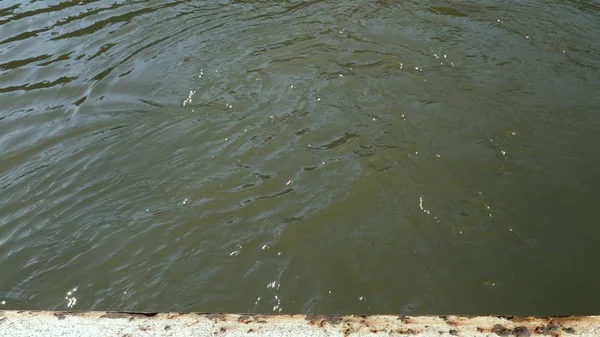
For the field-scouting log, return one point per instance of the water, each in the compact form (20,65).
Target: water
(388,156)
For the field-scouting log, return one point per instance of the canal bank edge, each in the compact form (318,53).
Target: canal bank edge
(131,324)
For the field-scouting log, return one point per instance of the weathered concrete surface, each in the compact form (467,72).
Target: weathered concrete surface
(91,324)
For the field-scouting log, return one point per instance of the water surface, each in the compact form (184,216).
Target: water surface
(404,157)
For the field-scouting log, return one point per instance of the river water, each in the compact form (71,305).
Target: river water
(409,157)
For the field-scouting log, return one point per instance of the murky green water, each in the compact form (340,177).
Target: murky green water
(300,156)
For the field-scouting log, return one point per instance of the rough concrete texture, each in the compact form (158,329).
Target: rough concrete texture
(91,324)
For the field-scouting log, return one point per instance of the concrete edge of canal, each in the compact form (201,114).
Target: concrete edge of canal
(131,324)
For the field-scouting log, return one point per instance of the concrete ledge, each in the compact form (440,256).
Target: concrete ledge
(129,324)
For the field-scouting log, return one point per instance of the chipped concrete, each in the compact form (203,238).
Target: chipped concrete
(123,324)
